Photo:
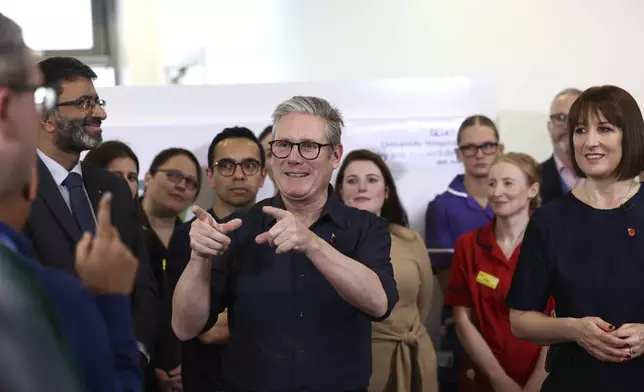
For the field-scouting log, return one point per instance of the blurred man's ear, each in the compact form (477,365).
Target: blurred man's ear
(48,122)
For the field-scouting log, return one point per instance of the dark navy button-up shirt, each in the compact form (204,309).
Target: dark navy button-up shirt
(450,215)
(289,328)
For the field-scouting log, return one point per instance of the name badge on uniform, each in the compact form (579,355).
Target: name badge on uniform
(487,280)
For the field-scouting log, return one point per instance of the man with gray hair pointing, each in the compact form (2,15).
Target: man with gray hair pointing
(301,274)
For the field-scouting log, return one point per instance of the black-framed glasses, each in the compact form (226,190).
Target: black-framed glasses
(308,150)
(559,119)
(88,104)
(470,150)
(45,98)
(227,167)
(175,176)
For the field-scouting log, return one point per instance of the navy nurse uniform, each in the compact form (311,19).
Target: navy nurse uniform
(449,216)
(592,261)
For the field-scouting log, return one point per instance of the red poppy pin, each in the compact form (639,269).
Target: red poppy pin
(332,239)
(631,232)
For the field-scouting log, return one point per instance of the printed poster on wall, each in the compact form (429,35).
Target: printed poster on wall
(420,143)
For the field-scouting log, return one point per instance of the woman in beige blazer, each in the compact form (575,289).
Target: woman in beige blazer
(403,356)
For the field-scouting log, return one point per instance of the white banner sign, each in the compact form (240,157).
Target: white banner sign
(417,143)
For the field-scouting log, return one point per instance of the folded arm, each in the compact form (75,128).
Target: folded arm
(191,299)
(542,329)
(218,334)
(356,283)
(367,284)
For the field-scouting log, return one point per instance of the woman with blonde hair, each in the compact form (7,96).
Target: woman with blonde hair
(481,274)
(402,352)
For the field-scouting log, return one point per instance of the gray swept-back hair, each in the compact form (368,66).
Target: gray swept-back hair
(317,107)
(13,67)
(569,91)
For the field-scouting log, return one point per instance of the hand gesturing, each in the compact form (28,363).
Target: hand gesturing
(103,263)
(288,234)
(209,238)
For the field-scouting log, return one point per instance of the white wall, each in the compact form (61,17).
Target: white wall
(533,49)
(140,51)
(376,113)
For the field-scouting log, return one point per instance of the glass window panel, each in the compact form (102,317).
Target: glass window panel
(54,25)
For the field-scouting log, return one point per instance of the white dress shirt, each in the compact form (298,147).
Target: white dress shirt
(59,173)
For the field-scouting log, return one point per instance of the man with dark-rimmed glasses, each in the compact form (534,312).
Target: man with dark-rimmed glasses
(557,174)
(236,170)
(302,275)
(69,191)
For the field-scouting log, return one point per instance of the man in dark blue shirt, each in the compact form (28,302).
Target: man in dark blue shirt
(302,275)
(97,325)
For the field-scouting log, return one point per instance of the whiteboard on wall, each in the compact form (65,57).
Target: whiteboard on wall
(419,152)
(411,122)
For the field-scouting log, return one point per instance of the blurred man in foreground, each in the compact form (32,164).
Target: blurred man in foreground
(93,317)
(34,353)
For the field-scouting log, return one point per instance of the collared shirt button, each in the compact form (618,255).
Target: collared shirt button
(301,351)
(301,275)
(301,314)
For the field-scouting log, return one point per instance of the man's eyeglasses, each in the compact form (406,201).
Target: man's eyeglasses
(175,177)
(227,167)
(45,98)
(308,150)
(88,104)
(470,150)
(559,119)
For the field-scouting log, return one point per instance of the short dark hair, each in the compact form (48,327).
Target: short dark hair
(621,110)
(104,154)
(56,70)
(169,153)
(477,119)
(392,209)
(235,132)
(265,133)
